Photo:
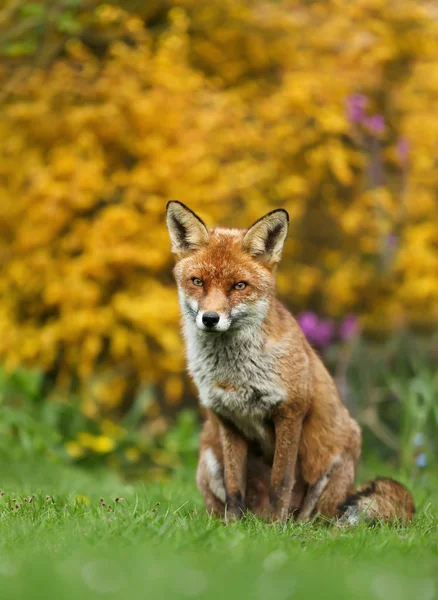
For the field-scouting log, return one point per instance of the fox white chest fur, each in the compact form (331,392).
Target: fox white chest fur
(236,378)
(225,282)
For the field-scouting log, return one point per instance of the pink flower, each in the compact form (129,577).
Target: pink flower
(348,327)
(308,322)
(355,108)
(391,241)
(324,333)
(375,124)
(318,331)
(403,149)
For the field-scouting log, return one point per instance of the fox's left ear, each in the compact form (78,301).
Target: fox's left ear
(265,239)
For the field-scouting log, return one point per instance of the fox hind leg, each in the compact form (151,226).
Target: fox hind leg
(340,485)
(313,495)
(330,490)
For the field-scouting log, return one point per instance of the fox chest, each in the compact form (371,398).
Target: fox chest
(240,386)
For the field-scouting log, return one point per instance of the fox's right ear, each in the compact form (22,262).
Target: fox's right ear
(187,231)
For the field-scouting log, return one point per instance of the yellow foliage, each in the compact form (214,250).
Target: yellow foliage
(235,109)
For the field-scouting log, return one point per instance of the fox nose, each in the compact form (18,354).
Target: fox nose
(210,319)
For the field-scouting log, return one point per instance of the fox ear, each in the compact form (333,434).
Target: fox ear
(187,231)
(265,239)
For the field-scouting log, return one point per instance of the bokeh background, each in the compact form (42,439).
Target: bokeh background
(108,110)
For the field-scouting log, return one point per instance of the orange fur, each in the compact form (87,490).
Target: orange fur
(277,438)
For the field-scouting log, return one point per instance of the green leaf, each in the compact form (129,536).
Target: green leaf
(68,23)
(32,9)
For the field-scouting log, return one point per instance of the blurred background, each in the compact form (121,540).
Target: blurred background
(108,110)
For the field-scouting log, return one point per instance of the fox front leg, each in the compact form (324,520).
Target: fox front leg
(235,452)
(288,425)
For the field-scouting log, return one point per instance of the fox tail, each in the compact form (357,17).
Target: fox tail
(381,499)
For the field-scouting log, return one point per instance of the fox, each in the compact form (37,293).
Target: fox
(276,440)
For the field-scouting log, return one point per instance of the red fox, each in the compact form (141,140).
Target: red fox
(277,439)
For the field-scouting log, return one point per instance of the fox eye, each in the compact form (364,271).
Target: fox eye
(240,286)
(198,282)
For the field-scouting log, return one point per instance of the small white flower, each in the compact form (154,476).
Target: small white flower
(421,460)
(418,440)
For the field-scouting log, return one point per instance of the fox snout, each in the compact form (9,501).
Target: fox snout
(213,312)
(211,320)
(206,316)
(222,319)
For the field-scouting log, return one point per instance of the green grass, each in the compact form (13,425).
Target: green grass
(61,548)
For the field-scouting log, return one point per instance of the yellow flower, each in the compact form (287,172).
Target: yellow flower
(111,429)
(82,499)
(164,459)
(103,444)
(74,449)
(85,439)
(132,454)
(89,408)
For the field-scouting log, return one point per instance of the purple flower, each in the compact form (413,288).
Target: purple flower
(308,322)
(355,108)
(403,149)
(348,327)
(318,331)
(375,124)
(421,460)
(324,332)
(391,241)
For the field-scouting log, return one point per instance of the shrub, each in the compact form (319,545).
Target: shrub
(235,109)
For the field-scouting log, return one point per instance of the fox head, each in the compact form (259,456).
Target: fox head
(225,277)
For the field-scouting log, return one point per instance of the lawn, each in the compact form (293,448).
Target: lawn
(64,541)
